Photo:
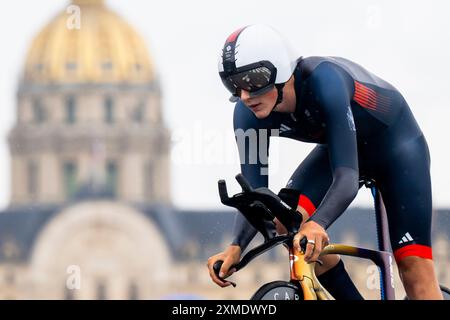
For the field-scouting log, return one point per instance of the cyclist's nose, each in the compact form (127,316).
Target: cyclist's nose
(245,95)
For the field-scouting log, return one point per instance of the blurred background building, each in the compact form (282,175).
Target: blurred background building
(90,215)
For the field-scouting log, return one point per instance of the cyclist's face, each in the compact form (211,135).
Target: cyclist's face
(261,105)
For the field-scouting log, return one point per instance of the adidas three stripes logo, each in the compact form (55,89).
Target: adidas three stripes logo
(406,238)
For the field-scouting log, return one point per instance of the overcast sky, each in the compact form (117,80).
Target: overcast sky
(405,42)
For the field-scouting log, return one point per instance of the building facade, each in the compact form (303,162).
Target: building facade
(89,156)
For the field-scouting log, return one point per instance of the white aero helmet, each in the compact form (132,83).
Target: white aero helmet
(256,58)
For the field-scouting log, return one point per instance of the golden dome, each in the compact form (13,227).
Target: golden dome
(104,49)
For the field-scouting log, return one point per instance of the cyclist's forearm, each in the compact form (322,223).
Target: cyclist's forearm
(253,168)
(243,232)
(341,193)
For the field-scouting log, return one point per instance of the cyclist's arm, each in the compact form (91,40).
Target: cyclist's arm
(333,91)
(254,164)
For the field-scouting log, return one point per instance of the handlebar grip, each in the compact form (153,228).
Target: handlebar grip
(246,187)
(217,266)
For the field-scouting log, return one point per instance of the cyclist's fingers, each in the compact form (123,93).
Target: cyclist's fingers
(325,242)
(216,280)
(210,265)
(212,260)
(225,269)
(309,251)
(297,240)
(317,250)
(220,283)
(297,243)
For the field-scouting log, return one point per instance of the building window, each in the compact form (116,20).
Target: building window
(149,173)
(109,110)
(70,110)
(71,66)
(107,66)
(38,112)
(111,177)
(70,178)
(39,67)
(139,112)
(133,291)
(32,178)
(101,291)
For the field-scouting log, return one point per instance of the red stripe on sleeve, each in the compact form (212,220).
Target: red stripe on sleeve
(306,204)
(417,250)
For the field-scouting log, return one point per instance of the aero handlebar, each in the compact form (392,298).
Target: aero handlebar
(260,207)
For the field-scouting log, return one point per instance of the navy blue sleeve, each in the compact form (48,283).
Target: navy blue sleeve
(332,91)
(252,138)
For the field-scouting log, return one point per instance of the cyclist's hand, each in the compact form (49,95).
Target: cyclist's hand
(312,231)
(230,257)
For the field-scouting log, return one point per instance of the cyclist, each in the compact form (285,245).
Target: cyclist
(363,128)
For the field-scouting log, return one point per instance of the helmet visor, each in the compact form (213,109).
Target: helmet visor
(256,80)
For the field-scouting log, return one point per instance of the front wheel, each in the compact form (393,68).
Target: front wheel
(445,292)
(278,290)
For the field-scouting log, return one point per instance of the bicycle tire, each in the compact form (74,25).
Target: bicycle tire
(445,292)
(278,290)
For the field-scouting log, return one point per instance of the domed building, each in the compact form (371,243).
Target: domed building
(90,164)
(89,114)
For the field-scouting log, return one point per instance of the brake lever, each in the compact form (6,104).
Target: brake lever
(216,268)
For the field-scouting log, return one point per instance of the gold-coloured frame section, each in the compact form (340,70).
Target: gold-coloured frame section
(303,272)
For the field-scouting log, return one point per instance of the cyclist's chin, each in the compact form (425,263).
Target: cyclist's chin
(261,113)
